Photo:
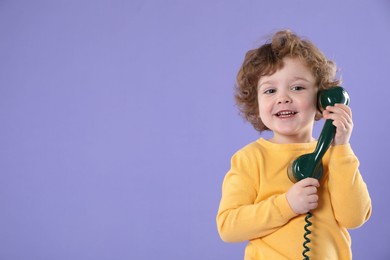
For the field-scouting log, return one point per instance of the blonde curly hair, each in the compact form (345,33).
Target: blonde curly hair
(267,59)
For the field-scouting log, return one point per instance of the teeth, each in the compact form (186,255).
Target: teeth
(285,113)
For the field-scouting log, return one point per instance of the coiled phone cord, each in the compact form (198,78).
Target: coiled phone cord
(307,239)
(309,165)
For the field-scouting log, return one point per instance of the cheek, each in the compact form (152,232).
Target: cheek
(310,106)
(262,115)
(264,108)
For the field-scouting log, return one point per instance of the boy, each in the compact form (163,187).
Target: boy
(276,90)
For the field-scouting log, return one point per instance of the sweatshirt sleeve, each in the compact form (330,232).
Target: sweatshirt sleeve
(239,218)
(349,194)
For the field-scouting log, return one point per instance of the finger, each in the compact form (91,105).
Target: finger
(313,198)
(309,182)
(312,206)
(341,126)
(341,117)
(345,108)
(339,111)
(335,110)
(310,190)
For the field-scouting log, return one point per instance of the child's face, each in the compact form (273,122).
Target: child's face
(287,102)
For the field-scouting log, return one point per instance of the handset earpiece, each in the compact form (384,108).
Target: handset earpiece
(309,165)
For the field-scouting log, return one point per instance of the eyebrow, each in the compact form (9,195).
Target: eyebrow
(264,83)
(301,78)
(293,80)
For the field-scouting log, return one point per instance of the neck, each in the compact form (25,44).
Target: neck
(291,139)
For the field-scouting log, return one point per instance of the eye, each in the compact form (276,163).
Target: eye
(269,91)
(297,88)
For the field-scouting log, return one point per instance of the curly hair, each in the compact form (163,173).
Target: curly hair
(267,59)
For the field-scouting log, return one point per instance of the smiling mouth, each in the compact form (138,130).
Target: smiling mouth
(285,114)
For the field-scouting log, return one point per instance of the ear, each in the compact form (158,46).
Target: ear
(318,115)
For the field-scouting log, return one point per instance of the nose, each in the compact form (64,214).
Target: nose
(284,98)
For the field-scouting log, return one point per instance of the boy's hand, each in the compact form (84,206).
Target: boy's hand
(302,196)
(342,120)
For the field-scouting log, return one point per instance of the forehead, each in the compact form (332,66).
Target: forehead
(292,69)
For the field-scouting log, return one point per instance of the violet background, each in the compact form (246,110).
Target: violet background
(118,121)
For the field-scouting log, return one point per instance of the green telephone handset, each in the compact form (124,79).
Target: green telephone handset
(310,165)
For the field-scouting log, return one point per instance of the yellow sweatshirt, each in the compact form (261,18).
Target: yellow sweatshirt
(254,207)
